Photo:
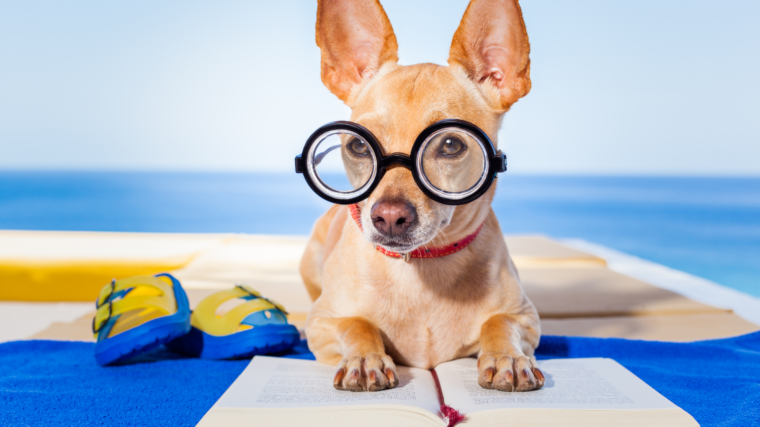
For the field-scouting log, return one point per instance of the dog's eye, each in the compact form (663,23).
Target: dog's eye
(452,146)
(358,147)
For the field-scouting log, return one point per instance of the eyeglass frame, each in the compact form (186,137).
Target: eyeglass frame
(497,161)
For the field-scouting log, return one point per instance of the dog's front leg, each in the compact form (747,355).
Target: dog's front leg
(357,347)
(506,359)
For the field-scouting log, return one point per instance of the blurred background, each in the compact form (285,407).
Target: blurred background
(641,133)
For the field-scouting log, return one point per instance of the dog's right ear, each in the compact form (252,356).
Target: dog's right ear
(491,44)
(356,39)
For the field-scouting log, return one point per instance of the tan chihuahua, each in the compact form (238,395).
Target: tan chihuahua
(372,310)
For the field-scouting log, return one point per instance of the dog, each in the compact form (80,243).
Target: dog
(372,311)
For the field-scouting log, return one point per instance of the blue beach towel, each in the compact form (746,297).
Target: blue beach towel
(59,383)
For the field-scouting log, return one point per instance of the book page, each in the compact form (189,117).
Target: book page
(585,384)
(271,382)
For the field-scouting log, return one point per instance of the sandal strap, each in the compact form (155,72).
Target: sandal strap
(253,293)
(110,306)
(204,316)
(107,292)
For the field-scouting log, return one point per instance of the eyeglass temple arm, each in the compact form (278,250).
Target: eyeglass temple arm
(499,162)
(317,159)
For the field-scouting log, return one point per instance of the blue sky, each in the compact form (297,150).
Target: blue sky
(619,87)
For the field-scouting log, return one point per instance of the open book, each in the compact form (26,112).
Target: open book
(589,392)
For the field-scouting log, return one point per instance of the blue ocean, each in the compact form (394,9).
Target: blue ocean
(709,227)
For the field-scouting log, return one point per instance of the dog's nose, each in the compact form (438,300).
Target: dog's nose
(392,218)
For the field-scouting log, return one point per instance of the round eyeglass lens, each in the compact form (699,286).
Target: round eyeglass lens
(453,163)
(341,164)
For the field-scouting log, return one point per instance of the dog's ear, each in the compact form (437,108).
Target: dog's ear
(356,39)
(492,45)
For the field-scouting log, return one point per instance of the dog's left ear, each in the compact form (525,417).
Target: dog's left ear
(356,39)
(492,45)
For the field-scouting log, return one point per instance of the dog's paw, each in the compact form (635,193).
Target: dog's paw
(369,373)
(501,372)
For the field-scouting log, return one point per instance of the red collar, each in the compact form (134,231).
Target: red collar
(424,252)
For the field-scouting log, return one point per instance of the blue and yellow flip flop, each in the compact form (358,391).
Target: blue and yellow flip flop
(256,326)
(137,314)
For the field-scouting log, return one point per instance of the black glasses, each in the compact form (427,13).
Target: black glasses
(452,161)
